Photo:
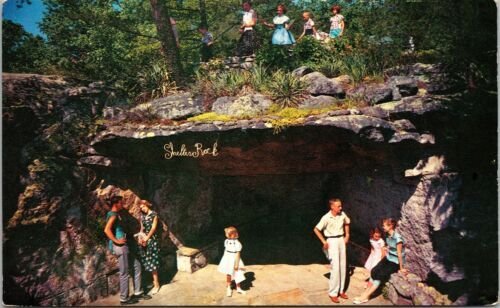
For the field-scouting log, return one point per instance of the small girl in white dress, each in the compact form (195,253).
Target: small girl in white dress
(377,251)
(231,263)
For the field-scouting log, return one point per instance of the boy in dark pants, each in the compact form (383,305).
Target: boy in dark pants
(207,41)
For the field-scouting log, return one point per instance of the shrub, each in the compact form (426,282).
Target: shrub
(285,89)
(154,83)
(332,67)
(216,84)
(308,49)
(275,57)
(356,66)
(259,77)
(230,83)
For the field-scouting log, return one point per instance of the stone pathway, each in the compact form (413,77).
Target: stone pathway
(275,284)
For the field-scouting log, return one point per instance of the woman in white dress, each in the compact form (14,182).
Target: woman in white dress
(231,263)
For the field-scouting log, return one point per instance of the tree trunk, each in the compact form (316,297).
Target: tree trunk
(203,14)
(161,18)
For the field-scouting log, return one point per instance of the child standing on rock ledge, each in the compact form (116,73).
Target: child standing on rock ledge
(231,263)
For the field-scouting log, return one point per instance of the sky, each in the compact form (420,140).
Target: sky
(29,15)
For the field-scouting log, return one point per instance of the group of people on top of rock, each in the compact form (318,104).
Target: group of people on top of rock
(281,23)
(333,230)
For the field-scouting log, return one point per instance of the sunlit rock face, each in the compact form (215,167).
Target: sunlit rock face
(397,159)
(427,160)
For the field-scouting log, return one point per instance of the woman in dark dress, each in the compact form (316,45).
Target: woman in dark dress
(149,240)
(248,41)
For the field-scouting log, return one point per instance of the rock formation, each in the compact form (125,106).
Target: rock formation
(422,151)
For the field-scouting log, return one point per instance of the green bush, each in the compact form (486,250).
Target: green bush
(153,83)
(308,49)
(331,67)
(212,85)
(285,89)
(231,82)
(355,65)
(276,57)
(259,77)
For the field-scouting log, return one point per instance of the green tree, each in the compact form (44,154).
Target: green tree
(102,40)
(169,49)
(23,52)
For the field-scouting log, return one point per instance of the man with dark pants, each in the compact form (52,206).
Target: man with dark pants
(335,225)
(115,231)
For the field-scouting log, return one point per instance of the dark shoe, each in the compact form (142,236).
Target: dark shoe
(129,301)
(344,296)
(141,296)
(334,299)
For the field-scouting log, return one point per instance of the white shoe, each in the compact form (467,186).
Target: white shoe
(154,291)
(229,292)
(241,291)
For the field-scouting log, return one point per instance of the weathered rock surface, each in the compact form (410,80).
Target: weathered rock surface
(248,105)
(301,71)
(405,86)
(408,290)
(433,77)
(321,101)
(174,107)
(372,94)
(53,258)
(319,84)
(423,160)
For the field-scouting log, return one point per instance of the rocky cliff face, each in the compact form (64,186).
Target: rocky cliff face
(53,254)
(426,157)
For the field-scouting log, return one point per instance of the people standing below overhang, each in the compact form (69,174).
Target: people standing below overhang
(392,263)
(116,231)
(148,239)
(231,263)
(335,225)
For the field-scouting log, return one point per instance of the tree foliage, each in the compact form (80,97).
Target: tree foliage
(22,51)
(114,40)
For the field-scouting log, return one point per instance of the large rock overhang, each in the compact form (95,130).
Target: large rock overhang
(326,145)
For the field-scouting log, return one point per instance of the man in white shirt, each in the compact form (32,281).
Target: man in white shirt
(335,225)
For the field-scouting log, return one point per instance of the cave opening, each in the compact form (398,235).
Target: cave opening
(275,213)
(275,189)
